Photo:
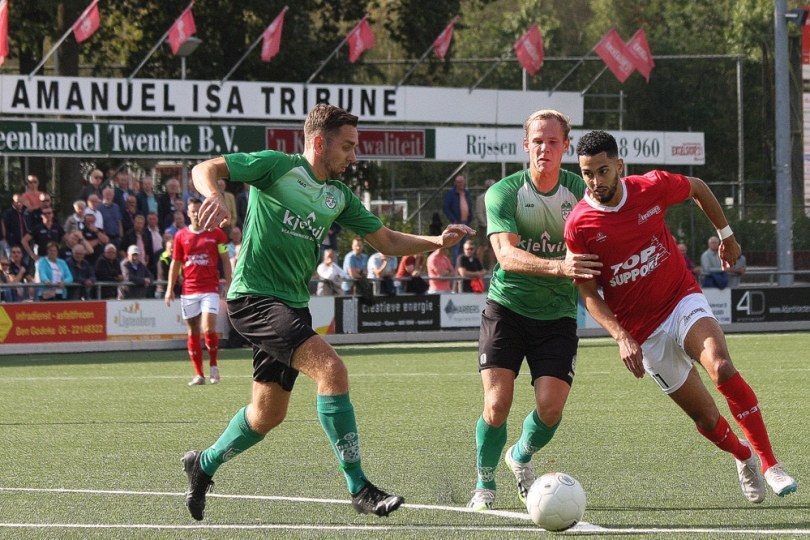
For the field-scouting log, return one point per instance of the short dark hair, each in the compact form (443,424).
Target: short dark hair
(193,200)
(327,119)
(596,142)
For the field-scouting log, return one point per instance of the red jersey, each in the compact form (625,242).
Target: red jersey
(199,253)
(643,275)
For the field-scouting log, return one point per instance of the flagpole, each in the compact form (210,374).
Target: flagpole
(62,39)
(253,46)
(579,63)
(593,81)
(413,67)
(490,70)
(323,64)
(160,41)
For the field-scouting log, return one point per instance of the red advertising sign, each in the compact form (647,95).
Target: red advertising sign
(374,143)
(53,322)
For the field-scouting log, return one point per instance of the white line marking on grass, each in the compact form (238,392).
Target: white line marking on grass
(581,528)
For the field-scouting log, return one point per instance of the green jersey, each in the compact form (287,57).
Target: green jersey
(289,214)
(514,205)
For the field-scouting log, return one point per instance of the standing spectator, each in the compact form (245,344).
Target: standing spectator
(138,236)
(242,205)
(14,225)
(94,207)
(167,202)
(84,275)
(54,274)
(69,241)
(128,214)
(484,251)
(234,245)
(135,272)
(439,266)
(93,187)
(45,232)
(230,204)
(382,267)
(30,197)
(156,233)
(330,275)
(95,237)
(122,190)
(712,267)
(410,267)
(470,268)
(75,221)
(458,207)
(22,271)
(108,269)
(330,241)
(199,252)
(178,224)
(355,264)
(690,265)
(146,197)
(7,294)
(191,193)
(111,216)
(34,216)
(164,263)
(736,272)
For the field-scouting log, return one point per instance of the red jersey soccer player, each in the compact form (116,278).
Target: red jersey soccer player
(199,252)
(654,308)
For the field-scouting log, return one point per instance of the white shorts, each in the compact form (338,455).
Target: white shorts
(193,304)
(665,360)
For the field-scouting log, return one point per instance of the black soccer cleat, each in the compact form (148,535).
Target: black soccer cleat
(373,500)
(198,484)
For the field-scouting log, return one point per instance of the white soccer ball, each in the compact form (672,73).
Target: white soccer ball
(556,501)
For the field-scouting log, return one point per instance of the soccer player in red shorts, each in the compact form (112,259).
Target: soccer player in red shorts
(199,253)
(654,308)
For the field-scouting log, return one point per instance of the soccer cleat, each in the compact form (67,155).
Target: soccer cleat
(482,499)
(198,379)
(214,374)
(373,500)
(781,483)
(751,481)
(198,484)
(524,474)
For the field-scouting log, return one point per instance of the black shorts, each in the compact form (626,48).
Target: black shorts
(550,347)
(274,330)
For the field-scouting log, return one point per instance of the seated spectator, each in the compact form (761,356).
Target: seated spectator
(470,268)
(439,266)
(355,264)
(128,214)
(75,221)
(330,276)
(178,223)
(7,294)
(410,266)
(93,207)
(736,272)
(146,197)
(21,271)
(138,236)
(95,237)
(164,262)
(113,217)
(381,268)
(712,267)
(108,269)
(690,265)
(83,274)
(70,240)
(54,274)
(135,272)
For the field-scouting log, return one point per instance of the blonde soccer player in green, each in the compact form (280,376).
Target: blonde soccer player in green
(292,203)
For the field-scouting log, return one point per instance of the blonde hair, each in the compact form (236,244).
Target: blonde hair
(546,114)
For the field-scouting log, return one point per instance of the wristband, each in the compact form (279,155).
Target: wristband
(725,232)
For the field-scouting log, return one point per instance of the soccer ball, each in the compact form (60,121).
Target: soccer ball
(556,501)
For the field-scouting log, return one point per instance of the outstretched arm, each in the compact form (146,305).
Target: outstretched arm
(513,259)
(393,242)
(729,248)
(629,349)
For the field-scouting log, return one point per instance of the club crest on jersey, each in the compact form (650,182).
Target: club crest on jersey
(330,202)
(565,209)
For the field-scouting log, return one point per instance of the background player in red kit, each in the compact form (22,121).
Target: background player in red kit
(199,253)
(654,308)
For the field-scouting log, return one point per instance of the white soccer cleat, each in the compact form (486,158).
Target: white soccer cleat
(781,483)
(524,474)
(214,374)
(751,481)
(482,499)
(197,380)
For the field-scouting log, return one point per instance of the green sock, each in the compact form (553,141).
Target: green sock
(336,414)
(535,436)
(489,442)
(236,438)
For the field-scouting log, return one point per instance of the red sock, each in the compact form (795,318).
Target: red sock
(212,344)
(743,404)
(195,353)
(725,439)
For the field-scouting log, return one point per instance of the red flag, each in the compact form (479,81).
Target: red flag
(271,39)
(87,23)
(182,29)
(442,42)
(614,52)
(361,38)
(529,50)
(640,53)
(3,30)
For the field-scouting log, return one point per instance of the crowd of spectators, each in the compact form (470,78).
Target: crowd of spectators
(116,243)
